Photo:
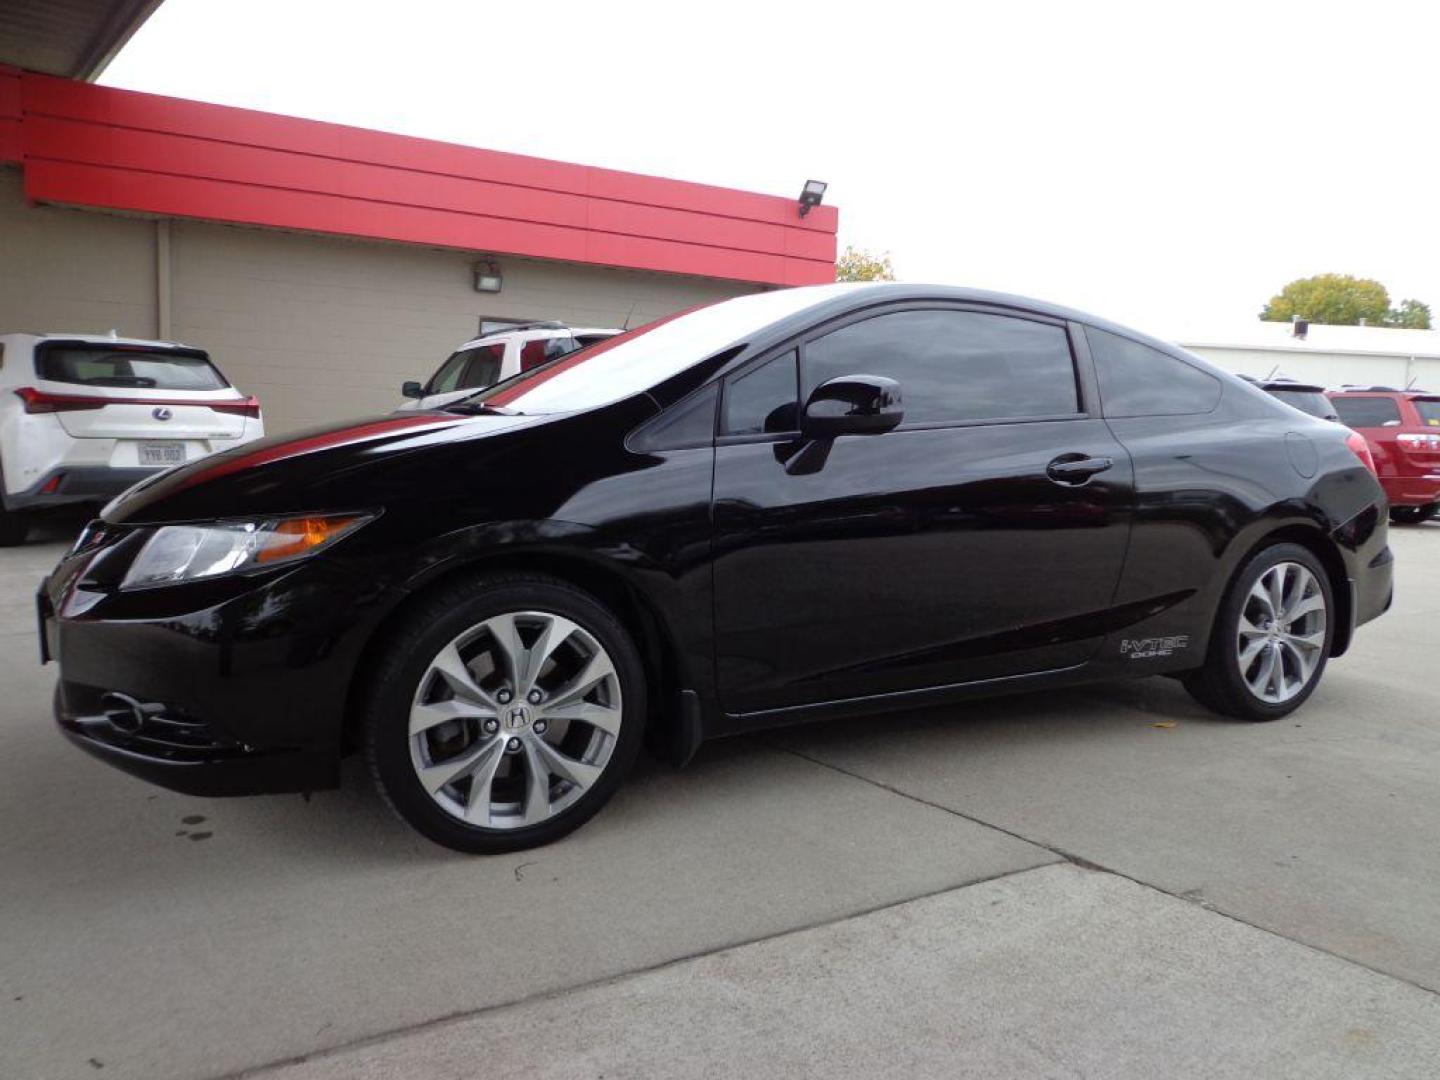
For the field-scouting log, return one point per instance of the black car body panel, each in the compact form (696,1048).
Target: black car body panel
(769,579)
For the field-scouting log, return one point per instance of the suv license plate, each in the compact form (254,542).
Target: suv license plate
(162,453)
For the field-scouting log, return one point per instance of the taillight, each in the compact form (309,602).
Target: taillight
(249,406)
(38,401)
(1361,449)
(42,401)
(1426,442)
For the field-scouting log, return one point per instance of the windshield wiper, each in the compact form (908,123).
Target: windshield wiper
(478,408)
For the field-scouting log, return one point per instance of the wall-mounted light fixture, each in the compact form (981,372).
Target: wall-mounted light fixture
(811,195)
(487,276)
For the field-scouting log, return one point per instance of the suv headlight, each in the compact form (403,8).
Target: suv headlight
(178,553)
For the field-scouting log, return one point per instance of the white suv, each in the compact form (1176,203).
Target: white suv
(489,358)
(83,417)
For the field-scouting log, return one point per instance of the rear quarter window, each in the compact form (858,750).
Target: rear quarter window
(1429,410)
(128,368)
(1136,380)
(1367,412)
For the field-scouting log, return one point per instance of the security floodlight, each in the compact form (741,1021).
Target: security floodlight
(811,195)
(487,277)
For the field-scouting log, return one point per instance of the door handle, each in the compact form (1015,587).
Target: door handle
(1076,469)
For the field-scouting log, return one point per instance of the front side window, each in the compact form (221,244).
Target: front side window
(955,365)
(1136,380)
(1367,411)
(136,368)
(763,399)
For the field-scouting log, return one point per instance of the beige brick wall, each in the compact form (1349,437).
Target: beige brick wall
(318,328)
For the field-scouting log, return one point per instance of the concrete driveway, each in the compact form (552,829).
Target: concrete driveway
(1106,882)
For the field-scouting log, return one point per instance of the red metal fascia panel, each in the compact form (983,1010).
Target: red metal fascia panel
(124,108)
(47,138)
(262,169)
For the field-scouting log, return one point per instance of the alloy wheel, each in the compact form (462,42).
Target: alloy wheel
(1281,635)
(515,719)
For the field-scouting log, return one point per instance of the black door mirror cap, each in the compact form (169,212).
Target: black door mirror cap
(412,389)
(853,405)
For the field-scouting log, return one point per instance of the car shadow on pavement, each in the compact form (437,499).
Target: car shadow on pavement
(354,826)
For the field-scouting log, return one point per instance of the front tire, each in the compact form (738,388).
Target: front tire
(505,713)
(1271,637)
(1413,515)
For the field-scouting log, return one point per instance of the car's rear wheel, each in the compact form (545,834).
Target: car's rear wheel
(1271,637)
(1413,515)
(14,525)
(505,714)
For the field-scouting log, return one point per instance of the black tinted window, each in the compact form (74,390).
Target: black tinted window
(763,399)
(131,367)
(1366,411)
(1136,380)
(954,365)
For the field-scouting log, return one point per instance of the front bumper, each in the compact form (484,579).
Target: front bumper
(229,687)
(91,483)
(165,753)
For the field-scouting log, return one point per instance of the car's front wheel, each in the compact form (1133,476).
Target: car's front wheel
(1271,637)
(505,714)
(1413,515)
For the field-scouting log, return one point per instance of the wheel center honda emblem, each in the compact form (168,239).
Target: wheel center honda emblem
(162,413)
(517,718)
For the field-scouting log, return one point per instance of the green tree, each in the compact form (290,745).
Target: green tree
(859,265)
(1332,299)
(1410,315)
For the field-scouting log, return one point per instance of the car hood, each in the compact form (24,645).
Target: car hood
(345,466)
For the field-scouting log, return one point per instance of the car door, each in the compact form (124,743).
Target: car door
(981,538)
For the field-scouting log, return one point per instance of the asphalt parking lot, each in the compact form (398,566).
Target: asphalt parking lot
(1103,882)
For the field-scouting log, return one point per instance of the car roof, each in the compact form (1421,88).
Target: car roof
(1412,394)
(103,339)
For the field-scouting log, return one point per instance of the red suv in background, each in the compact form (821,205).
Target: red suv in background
(1403,430)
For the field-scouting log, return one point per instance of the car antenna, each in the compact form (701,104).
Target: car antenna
(1273,371)
(626,324)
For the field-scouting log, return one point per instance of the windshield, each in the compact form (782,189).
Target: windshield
(1313,402)
(1429,410)
(130,366)
(625,365)
(468,369)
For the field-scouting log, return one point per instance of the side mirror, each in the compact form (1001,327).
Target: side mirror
(411,388)
(852,405)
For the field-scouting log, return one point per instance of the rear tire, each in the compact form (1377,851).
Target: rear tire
(504,713)
(1271,637)
(1413,515)
(14,525)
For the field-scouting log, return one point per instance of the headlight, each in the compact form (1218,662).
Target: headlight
(189,552)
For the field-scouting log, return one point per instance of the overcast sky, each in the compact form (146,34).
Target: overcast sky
(1171,171)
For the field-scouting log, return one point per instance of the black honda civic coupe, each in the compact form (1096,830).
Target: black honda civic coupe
(799,504)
